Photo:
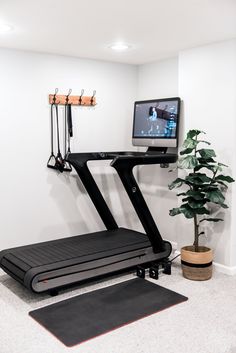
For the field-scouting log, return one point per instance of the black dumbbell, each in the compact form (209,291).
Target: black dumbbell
(167,268)
(154,272)
(140,272)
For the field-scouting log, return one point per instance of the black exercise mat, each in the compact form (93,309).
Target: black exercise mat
(91,314)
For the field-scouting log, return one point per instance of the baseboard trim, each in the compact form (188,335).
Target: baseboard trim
(228,270)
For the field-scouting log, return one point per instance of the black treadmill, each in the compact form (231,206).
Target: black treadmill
(58,263)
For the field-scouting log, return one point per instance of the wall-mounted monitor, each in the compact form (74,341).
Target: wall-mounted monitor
(156,122)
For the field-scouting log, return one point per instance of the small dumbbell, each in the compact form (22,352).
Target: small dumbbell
(167,268)
(140,272)
(154,272)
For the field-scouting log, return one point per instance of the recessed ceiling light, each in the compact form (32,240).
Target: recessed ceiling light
(5,28)
(119,46)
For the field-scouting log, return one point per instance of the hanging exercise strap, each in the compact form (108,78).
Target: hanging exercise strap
(67,166)
(69,125)
(69,117)
(65,131)
(54,162)
(59,160)
(52,159)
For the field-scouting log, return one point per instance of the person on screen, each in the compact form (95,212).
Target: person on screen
(152,113)
(152,120)
(170,127)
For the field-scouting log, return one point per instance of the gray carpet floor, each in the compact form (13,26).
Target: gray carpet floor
(206,323)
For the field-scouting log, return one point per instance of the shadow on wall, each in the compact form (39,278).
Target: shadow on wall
(154,175)
(126,215)
(217,237)
(117,199)
(154,185)
(69,195)
(78,214)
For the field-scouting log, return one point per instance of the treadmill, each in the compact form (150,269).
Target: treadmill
(51,265)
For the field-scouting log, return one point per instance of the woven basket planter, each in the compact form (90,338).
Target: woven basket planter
(196,266)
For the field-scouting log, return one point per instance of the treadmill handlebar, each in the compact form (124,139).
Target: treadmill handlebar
(132,158)
(145,159)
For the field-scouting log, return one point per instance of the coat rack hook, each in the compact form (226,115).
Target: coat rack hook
(92,98)
(67,97)
(81,95)
(55,96)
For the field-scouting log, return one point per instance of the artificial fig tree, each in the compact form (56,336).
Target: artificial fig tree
(204,183)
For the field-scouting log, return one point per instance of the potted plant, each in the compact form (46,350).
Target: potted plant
(204,187)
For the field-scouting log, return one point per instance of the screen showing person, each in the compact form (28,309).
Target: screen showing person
(156,119)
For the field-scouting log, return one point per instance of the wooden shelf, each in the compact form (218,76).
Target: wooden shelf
(73,100)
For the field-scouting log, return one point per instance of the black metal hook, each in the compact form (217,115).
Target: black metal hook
(67,97)
(55,96)
(81,95)
(92,98)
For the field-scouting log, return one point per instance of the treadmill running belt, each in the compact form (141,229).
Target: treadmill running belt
(89,315)
(79,246)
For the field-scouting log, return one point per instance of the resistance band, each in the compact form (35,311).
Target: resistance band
(57,162)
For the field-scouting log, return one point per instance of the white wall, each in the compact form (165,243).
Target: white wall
(36,203)
(159,80)
(207,85)
(205,79)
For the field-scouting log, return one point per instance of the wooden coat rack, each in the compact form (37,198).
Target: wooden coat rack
(73,100)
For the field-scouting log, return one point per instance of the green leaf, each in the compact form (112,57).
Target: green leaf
(198,178)
(207,166)
(206,188)
(175,211)
(206,153)
(186,151)
(197,195)
(188,162)
(211,219)
(176,183)
(215,196)
(193,133)
(223,165)
(223,184)
(205,160)
(187,211)
(190,143)
(224,205)
(203,141)
(181,194)
(212,167)
(202,210)
(194,203)
(226,178)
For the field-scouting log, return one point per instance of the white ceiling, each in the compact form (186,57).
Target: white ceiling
(156,29)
